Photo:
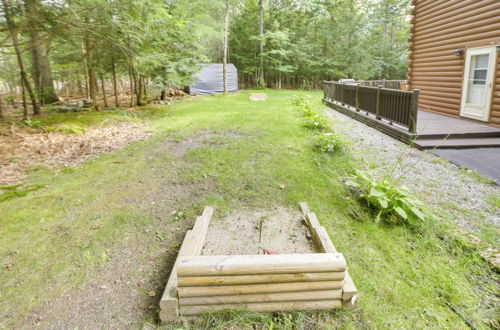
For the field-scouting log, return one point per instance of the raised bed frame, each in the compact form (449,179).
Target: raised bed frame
(262,283)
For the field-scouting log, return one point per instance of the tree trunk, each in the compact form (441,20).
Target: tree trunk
(1,108)
(113,68)
(89,59)
(80,88)
(131,85)
(15,43)
(138,88)
(23,98)
(48,92)
(261,80)
(144,88)
(42,75)
(271,18)
(226,36)
(163,95)
(103,87)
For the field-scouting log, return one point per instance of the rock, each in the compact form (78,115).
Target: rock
(492,256)
(87,103)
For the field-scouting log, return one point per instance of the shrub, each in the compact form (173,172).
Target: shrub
(329,143)
(298,100)
(316,121)
(393,204)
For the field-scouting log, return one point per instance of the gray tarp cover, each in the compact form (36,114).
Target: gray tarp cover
(209,80)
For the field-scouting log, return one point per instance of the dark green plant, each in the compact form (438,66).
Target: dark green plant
(392,204)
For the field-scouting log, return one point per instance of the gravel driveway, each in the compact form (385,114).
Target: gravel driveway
(440,184)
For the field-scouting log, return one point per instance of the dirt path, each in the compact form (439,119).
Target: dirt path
(125,291)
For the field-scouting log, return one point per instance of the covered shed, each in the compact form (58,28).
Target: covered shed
(209,80)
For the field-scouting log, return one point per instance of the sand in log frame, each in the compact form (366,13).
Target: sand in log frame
(260,264)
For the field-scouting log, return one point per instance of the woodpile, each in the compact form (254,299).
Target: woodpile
(261,283)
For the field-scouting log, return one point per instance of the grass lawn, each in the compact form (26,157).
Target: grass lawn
(232,153)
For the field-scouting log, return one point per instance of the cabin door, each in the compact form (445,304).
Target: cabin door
(478,83)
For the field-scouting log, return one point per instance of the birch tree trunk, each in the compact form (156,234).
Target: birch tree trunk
(226,37)
(261,81)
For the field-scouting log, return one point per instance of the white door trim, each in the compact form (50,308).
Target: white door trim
(485,115)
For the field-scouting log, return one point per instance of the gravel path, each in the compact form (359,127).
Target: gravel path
(434,180)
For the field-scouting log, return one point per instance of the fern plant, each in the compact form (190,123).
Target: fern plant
(392,204)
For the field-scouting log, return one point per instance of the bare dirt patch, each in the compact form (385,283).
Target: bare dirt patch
(252,232)
(202,138)
(20,151)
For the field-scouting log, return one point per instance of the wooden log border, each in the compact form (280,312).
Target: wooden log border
(323,241)
(171,306)
(191,246)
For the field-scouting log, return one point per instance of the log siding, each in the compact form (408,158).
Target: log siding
(438,28)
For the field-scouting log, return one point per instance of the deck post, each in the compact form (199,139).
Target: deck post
(377,105)
(342,94)
(412,127)
(357,100)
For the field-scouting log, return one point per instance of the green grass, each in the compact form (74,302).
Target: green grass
(494,201)
(406,277)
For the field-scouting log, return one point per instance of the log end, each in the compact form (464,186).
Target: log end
(351,303)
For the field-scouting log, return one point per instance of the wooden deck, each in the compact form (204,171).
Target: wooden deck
(433,130)
(431,124)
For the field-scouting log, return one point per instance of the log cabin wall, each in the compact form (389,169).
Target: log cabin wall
(439,27)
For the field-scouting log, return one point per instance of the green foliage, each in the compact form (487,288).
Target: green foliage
(306,42)
(494,200)
(304,106)
(18,190)
(315,121)
(392,204)
(70,128)
(301,100)
(32,123)
(329,143)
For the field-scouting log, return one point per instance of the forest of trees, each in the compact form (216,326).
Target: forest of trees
(52,50)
